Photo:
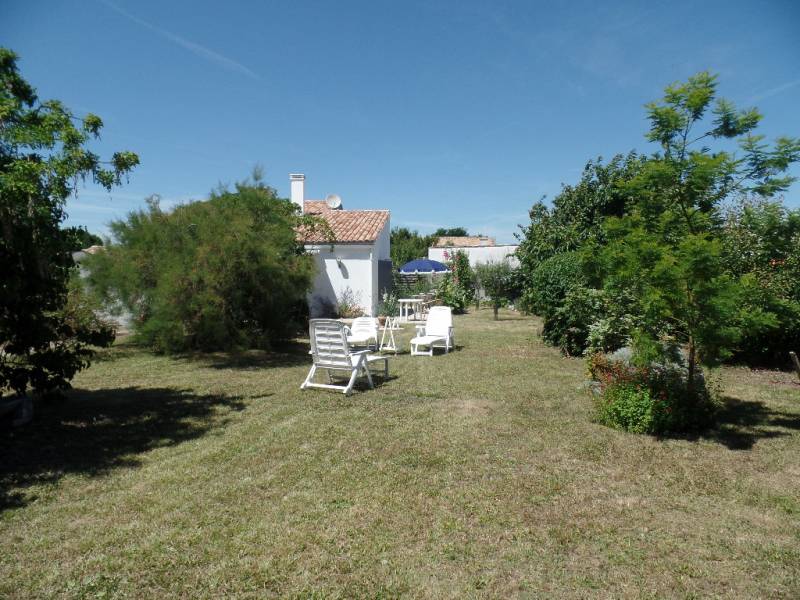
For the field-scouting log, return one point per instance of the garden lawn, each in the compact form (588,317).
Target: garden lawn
(479,473)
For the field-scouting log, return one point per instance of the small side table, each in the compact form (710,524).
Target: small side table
(387,331)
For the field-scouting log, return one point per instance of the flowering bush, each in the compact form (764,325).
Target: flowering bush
(453,295)
(457,287)
(652,399)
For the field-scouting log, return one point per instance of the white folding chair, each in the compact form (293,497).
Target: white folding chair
(330,352)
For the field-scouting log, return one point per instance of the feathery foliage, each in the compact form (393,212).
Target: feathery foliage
(218,274)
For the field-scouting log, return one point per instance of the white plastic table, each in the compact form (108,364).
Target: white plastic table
(407,304)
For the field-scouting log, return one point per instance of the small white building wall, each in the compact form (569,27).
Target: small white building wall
(480,254)
(354,269)
(382,244)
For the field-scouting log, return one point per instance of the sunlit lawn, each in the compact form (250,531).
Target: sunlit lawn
(474,474)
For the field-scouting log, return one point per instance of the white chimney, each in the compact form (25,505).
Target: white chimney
(298,188)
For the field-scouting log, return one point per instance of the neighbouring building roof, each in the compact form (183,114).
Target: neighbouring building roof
(348,226)
(467,241)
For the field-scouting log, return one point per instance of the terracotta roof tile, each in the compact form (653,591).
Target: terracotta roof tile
(348,226)
(469,241)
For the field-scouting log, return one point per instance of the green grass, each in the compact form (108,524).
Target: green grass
(476,474)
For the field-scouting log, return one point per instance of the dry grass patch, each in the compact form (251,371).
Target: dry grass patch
(475,474)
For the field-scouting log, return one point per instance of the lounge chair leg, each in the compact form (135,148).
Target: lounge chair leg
(350,383)
(369,376)
(310,377)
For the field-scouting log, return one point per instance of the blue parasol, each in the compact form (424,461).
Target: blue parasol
(423,266)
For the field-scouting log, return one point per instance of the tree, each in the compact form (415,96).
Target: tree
(43,157)
(83,239)
(667,248)
(575,219)
(450,232)
(408,245)
(495,278)
(220,274)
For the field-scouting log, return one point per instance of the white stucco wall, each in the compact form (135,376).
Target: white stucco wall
(481,254)
(382,244)
(354,269)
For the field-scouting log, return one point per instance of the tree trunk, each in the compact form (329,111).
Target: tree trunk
(692,355)
(495,308)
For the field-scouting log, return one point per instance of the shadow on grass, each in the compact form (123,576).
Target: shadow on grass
(91,432)
(742,423)
(288,354)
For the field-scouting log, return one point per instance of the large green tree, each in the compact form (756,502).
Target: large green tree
(224,273)
(408,245)
(667,248)
(575,219)
(44,156)
(450,232)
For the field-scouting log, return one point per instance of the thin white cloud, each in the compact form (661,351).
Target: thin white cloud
(774,91)
(196,49)
(124,201)
(87,207)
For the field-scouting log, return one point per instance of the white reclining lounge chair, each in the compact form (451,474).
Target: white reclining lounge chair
(363,332)
(330,351)
(436,333)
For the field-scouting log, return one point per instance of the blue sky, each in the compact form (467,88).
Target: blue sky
(447,113)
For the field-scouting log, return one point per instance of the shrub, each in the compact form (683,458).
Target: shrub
(567,327)
(761,246)
(452,295)
(629,407)
(348,305)
(551,281)
(213,275)
(653,399)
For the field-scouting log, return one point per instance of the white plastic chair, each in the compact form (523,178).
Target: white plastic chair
(331,352)
(436,333)
(363,332)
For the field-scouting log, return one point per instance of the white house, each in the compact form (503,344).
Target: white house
(479,249)
(358,257)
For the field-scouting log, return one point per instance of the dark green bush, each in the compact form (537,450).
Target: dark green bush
(214,275)
(551,281)
(770,323)
(567,327)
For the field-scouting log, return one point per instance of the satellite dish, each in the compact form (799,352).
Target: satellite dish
(333,201)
